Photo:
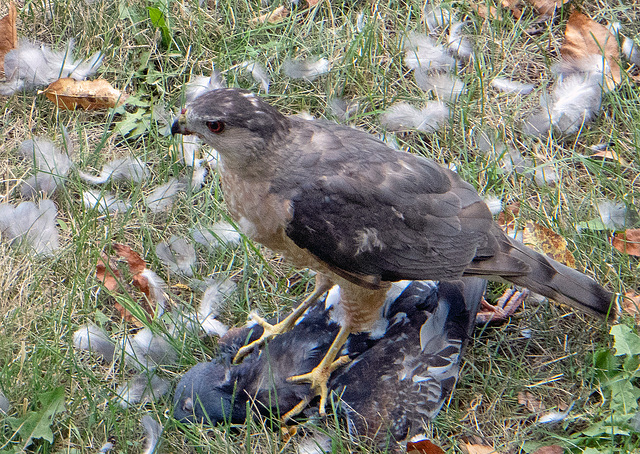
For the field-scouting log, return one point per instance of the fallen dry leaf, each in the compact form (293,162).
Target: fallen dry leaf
(136,263)
(491,12)
(8,34)
(631,304)
(477,449)
(533,404)
(627,242)
(107,272)
(536,236)
(507,218)
(546,241)
(423,447)
(514,6)
(609,155)
(312,3)
(547,8)
(273,17)
(585,38)
(486,12)
(553,449)
(67,93)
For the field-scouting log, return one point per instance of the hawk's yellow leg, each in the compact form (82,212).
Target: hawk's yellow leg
(320,375)
(322,286)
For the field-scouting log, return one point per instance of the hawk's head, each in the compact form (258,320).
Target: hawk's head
(237,123)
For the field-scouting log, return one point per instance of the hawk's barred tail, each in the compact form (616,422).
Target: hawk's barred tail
(561,283)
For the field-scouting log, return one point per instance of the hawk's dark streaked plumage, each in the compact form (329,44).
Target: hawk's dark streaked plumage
(339,201)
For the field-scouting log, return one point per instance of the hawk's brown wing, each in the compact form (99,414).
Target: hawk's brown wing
(381,213)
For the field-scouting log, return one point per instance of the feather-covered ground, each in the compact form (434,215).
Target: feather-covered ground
(438,79)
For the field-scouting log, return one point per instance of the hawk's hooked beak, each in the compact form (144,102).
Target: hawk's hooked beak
(179,126)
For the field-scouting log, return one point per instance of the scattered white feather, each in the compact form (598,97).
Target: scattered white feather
(612,214)
(33,65)
(52,167)
(5,405)
(146,350)
(423,53)
(31,225)
(163,197)
(308,69)
(436,18)
(187,148)
(343,110)
(199,85)
(361,22)
(219,234)
(142,388)
(511,86)
(319,443)
(196,180)
(404,116)
(545,175)
(177,255)
(122,169)
(513,161)
(258,72)
(157,290)
(555,416)
(446,87)
(94,339)
(494,204)
(631,51)
(152,431)
(108,446)
(212,300)
(458,42)
(104,202)
(574,101)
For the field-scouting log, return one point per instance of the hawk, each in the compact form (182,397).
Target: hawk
(362,215)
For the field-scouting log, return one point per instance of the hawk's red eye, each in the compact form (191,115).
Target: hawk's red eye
(215,127)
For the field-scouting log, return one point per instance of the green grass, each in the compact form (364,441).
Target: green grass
(43,301)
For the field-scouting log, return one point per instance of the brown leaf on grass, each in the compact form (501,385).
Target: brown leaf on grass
(533,404)
(547,8)
(507,218)
(553,449)
(8,34)
(136,263)
(470,448)
(423,447)
(608,155)
(491,12)
(67,93)
(536,236)
(627,242)
(486,12)
(584,38)
(514,6)
(312,3)
(272,17)
(546,241)
(107,272)
(631,304)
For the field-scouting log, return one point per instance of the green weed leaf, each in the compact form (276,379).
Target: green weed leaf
(159,21)
(625,340)
(37,424)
